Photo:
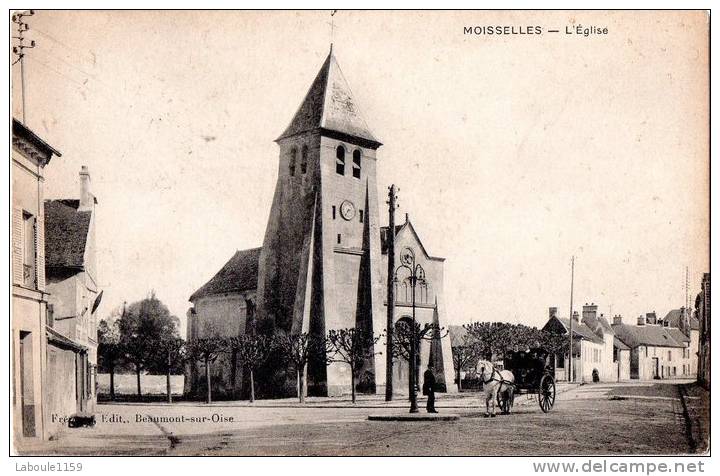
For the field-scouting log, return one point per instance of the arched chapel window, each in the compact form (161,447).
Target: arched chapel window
(293,159)
(340,160)
(304,160)
(356,163)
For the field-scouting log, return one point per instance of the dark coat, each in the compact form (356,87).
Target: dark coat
(428,382)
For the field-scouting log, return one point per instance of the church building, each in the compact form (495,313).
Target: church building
(323,261)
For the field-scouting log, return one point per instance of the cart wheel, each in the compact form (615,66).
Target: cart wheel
(503,402)
(546,393)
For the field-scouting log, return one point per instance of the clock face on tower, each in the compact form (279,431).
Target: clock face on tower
(347,210)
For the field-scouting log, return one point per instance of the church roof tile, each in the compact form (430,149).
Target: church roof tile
(239,274)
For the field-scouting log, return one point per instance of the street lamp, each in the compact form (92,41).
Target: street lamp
(417,274)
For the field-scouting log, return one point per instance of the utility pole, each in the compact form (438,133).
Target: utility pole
(19,51)
(686,313)
(392,190)
(572,283)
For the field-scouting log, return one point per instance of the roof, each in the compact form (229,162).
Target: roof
(677,334)
(605,325)
(59,340)
(649,335)
(398,229)
(618,344)
(329,106)
(239,274)
(674,318)
(21,130)
(580,329)
(66,233)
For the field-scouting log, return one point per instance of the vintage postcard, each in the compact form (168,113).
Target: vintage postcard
(360,233)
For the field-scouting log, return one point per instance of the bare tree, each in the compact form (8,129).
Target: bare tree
(465,352)
(351,346)
(207,349)
(298,349)
(251,350)
(168,358)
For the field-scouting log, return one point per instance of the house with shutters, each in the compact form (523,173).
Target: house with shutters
(682,320)
(656,351)
(29,156)
(73,299)
(593,346)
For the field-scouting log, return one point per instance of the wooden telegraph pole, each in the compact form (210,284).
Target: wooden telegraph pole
(570,354)
(390,292)
(19,51)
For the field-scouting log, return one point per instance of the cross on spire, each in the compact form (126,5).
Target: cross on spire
(332,28)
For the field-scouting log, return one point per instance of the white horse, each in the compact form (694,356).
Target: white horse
(496,382)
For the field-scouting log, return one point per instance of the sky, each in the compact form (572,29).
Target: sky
(512,152)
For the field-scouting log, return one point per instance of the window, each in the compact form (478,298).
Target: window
(356,163)
(669,355)
(334,211)
(361,216)
(339,238)
(293,158)
(29,237)
(303,160)
(340,160)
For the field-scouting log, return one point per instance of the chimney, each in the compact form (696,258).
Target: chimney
(87,200)
(552,312)
(589,311)
(641,320)
(651,318)
(617,320)
(576,316)
(407,217)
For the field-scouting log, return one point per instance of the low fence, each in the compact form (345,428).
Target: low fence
(126,384)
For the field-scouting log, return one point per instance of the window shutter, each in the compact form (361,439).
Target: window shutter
(17,239)
(40,253)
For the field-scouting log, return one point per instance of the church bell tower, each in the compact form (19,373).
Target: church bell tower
(320,265)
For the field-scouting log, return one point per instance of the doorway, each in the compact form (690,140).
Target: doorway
(27,394)
(656,367)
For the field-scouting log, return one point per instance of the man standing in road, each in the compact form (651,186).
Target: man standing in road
(429,388)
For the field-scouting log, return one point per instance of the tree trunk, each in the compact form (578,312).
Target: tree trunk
(207,380)
(301,392)
(252,386)
(137,372)
(459,380)
(112,383)
(352,383)
(167,380)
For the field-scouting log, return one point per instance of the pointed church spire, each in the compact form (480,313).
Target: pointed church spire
(330,107)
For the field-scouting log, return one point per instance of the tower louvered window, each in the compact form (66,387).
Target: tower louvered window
(356,163)
(340,160)
(304,160)
(293,159)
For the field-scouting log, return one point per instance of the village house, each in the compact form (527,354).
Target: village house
(29,156)
(681,320)
(74,295)
(656,351)
(593,346)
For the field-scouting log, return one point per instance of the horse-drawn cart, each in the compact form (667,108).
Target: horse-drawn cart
(532,376)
